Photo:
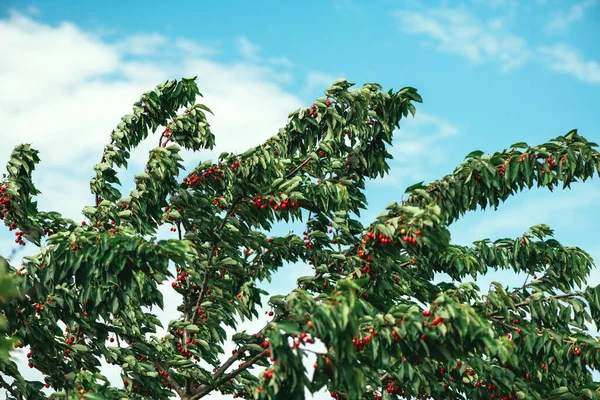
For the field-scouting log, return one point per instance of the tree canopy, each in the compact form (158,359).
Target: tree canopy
(380,324)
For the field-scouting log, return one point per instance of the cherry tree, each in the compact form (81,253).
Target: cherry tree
(372,315)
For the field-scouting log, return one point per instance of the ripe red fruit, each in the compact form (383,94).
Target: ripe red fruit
(426,313)
(83,223)
(327,103)
(268,374)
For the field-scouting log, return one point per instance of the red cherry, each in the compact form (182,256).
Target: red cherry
(268,374)
(426,313)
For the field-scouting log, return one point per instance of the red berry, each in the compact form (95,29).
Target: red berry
(426,313)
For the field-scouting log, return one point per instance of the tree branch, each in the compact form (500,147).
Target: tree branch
(204,287)
(171,381)
(298,168)
(209,388)
(527,302)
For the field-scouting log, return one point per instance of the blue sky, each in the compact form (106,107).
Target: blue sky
(491,73)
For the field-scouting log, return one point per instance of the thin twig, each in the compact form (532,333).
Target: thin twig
(299,167)
(209,388)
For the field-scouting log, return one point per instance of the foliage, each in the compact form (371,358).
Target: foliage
(8,290)
(387,330)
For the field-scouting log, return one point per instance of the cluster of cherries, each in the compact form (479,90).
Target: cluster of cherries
(411,239)
(213,171)
(260,202)
(386,240)
(235,166)
(307,243)
(220,203)
(360,343)
(186,353)
(181,278)
(4,200)
(313,112)
(436,320)
(167,134)
(393,387)
(501,170)
(19,238)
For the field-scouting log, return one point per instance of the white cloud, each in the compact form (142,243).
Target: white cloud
(248,49)
(280,61)
(456,31)
(33,10)
(513,219)
(64,90)
(561,21)
(142,44)
(418,146)
(41,62)
(319,80)
(568,60)
(193,49)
